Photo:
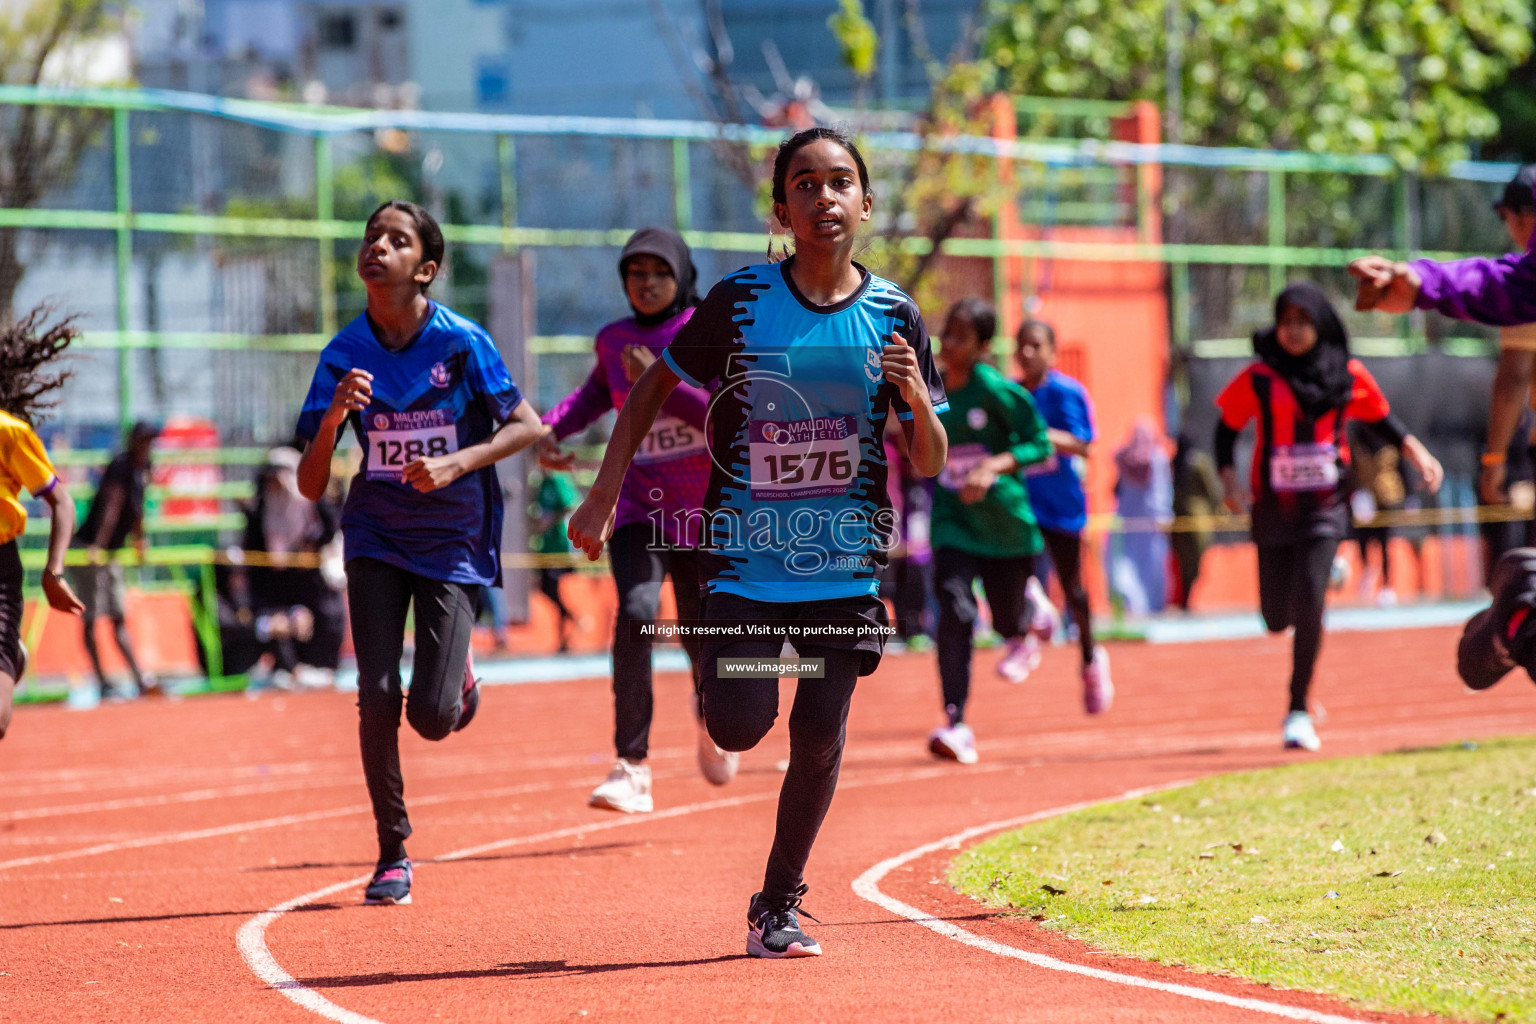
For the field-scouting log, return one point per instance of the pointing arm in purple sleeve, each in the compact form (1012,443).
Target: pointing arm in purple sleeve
(1498,291)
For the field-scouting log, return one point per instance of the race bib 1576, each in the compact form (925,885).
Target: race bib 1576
(669,438)
(1296,468)
(397,439)
(795,459)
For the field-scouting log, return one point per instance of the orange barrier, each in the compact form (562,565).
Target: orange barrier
(160,623)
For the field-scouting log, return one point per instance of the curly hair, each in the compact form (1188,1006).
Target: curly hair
(27,346)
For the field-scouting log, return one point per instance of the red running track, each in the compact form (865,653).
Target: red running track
(140,845)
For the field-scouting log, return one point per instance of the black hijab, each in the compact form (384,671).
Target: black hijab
(668,246)
(1320,380)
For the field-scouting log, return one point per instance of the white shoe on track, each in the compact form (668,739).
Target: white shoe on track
(1298,732)
(953,743)
(627,788)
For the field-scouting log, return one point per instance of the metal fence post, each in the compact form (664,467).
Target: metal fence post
(506,163)
(325,213)
(1277,232)
(123,204)
(513,318)
(682,185)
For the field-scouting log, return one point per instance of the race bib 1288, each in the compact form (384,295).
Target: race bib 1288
(795,459)
(397,439)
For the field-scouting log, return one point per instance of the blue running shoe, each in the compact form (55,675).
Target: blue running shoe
(391,885)
(773,927)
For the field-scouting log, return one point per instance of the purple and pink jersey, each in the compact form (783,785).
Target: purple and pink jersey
(671,469)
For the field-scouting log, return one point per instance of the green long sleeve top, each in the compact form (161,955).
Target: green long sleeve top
(987,416)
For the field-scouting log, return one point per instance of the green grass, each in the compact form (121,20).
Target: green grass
(1404,881)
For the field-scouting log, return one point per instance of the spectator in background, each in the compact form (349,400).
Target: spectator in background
(1379,488)
(556,497)
(116,516)
(1517,490)
(299,618)
(1517,349)
(1138,562)
(1196,493)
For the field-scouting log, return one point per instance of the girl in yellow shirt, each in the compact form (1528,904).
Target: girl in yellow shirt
(25,351)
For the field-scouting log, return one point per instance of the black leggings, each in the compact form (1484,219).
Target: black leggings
(638,569)
(1293,586)
(11,607)
(739,712)
(1003,579)
(1381,536)
(1066,551)
(380,595)
(549,586)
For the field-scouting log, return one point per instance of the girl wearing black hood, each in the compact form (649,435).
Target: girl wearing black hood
(1300,393)
(654,534)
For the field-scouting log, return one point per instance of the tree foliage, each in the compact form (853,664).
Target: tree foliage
(1400,77)
(40,145)
(856,36)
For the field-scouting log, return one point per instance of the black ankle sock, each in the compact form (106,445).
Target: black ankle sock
(391,852)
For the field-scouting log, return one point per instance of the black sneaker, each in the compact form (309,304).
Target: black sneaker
(391,884)
(773,927)
(1496,639)
(469,697)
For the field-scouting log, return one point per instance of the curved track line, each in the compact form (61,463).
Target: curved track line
(867,886)
(251,939)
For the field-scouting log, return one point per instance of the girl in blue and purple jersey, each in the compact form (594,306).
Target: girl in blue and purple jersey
(433,407)
(1056,491)
(656,532)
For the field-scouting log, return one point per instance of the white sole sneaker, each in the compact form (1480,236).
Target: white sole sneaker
(633,805)
(389,901)
(948,744)
(756,948)
(627,789)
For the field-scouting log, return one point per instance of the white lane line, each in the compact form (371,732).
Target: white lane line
(867,886)
(165,839)
(187,797)
(251,939)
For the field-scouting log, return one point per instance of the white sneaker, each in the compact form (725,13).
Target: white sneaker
(1021,656)
(718,766)
(627,788)
(1299,733)
(1045,622)
(1387,598)
(1098,688)
(953,743)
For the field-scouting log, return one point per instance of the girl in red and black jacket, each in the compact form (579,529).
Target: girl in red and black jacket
(1300,393)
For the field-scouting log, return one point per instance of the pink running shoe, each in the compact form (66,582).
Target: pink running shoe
(1045,622)
(469,695)
(1098,688)
(1021,656)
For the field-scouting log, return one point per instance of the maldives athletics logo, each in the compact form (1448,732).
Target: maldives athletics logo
(380,421)
(439,376)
